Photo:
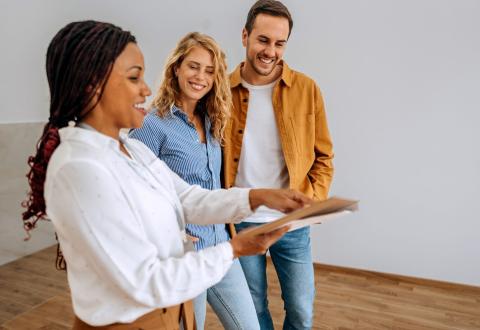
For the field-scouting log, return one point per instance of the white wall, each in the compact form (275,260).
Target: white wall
(399,78)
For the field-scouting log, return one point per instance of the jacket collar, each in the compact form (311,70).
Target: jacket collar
(236,78)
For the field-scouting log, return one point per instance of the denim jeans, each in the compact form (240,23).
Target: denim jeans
(231,301)
(292,259)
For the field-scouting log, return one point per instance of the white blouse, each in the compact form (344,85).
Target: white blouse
(119,224)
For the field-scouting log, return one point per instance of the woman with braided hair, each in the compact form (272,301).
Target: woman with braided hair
(120,212)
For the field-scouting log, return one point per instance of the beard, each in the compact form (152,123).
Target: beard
(260,71)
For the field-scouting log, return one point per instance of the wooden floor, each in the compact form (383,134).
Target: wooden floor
(33,295)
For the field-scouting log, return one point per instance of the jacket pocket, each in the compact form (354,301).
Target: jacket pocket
(303,128)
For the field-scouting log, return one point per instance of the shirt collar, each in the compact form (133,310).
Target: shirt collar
(176,111)
(91,137)
(236,78)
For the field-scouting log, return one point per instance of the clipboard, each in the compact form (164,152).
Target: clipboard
(316,213)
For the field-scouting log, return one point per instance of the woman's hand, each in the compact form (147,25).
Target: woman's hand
(248,245)
(283,200)
(194,239)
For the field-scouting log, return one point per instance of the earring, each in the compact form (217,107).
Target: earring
(72,123)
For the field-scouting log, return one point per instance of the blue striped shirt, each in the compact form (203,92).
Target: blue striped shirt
(175,141)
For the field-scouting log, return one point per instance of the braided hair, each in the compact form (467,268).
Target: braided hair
(79,61)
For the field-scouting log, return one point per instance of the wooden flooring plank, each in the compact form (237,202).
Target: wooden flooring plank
(33,295)
(55,313)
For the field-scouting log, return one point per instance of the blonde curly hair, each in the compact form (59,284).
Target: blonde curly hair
(217,101)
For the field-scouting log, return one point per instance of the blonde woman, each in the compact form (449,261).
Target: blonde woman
(185,129)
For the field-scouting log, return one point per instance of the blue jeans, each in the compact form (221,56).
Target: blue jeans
(292,259)
(231,301)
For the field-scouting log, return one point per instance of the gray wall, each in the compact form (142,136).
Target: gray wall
(17,142)
(400,79)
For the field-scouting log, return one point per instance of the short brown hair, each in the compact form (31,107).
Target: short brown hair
(268,7)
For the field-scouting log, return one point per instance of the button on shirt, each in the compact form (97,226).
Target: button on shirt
(116,220)
(175,140)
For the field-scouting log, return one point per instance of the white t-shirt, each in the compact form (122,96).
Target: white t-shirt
(261,164)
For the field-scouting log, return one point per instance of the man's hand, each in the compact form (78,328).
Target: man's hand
(283,200)
(246,245)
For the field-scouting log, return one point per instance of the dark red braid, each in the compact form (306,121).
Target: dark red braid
(35,203)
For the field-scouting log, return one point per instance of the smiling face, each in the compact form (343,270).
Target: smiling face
(124,94)
(195,75)
(265,46)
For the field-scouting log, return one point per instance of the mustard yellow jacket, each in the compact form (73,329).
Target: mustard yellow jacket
(302,125)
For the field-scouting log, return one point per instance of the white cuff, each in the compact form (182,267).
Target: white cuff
(244,206)
(226,250)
